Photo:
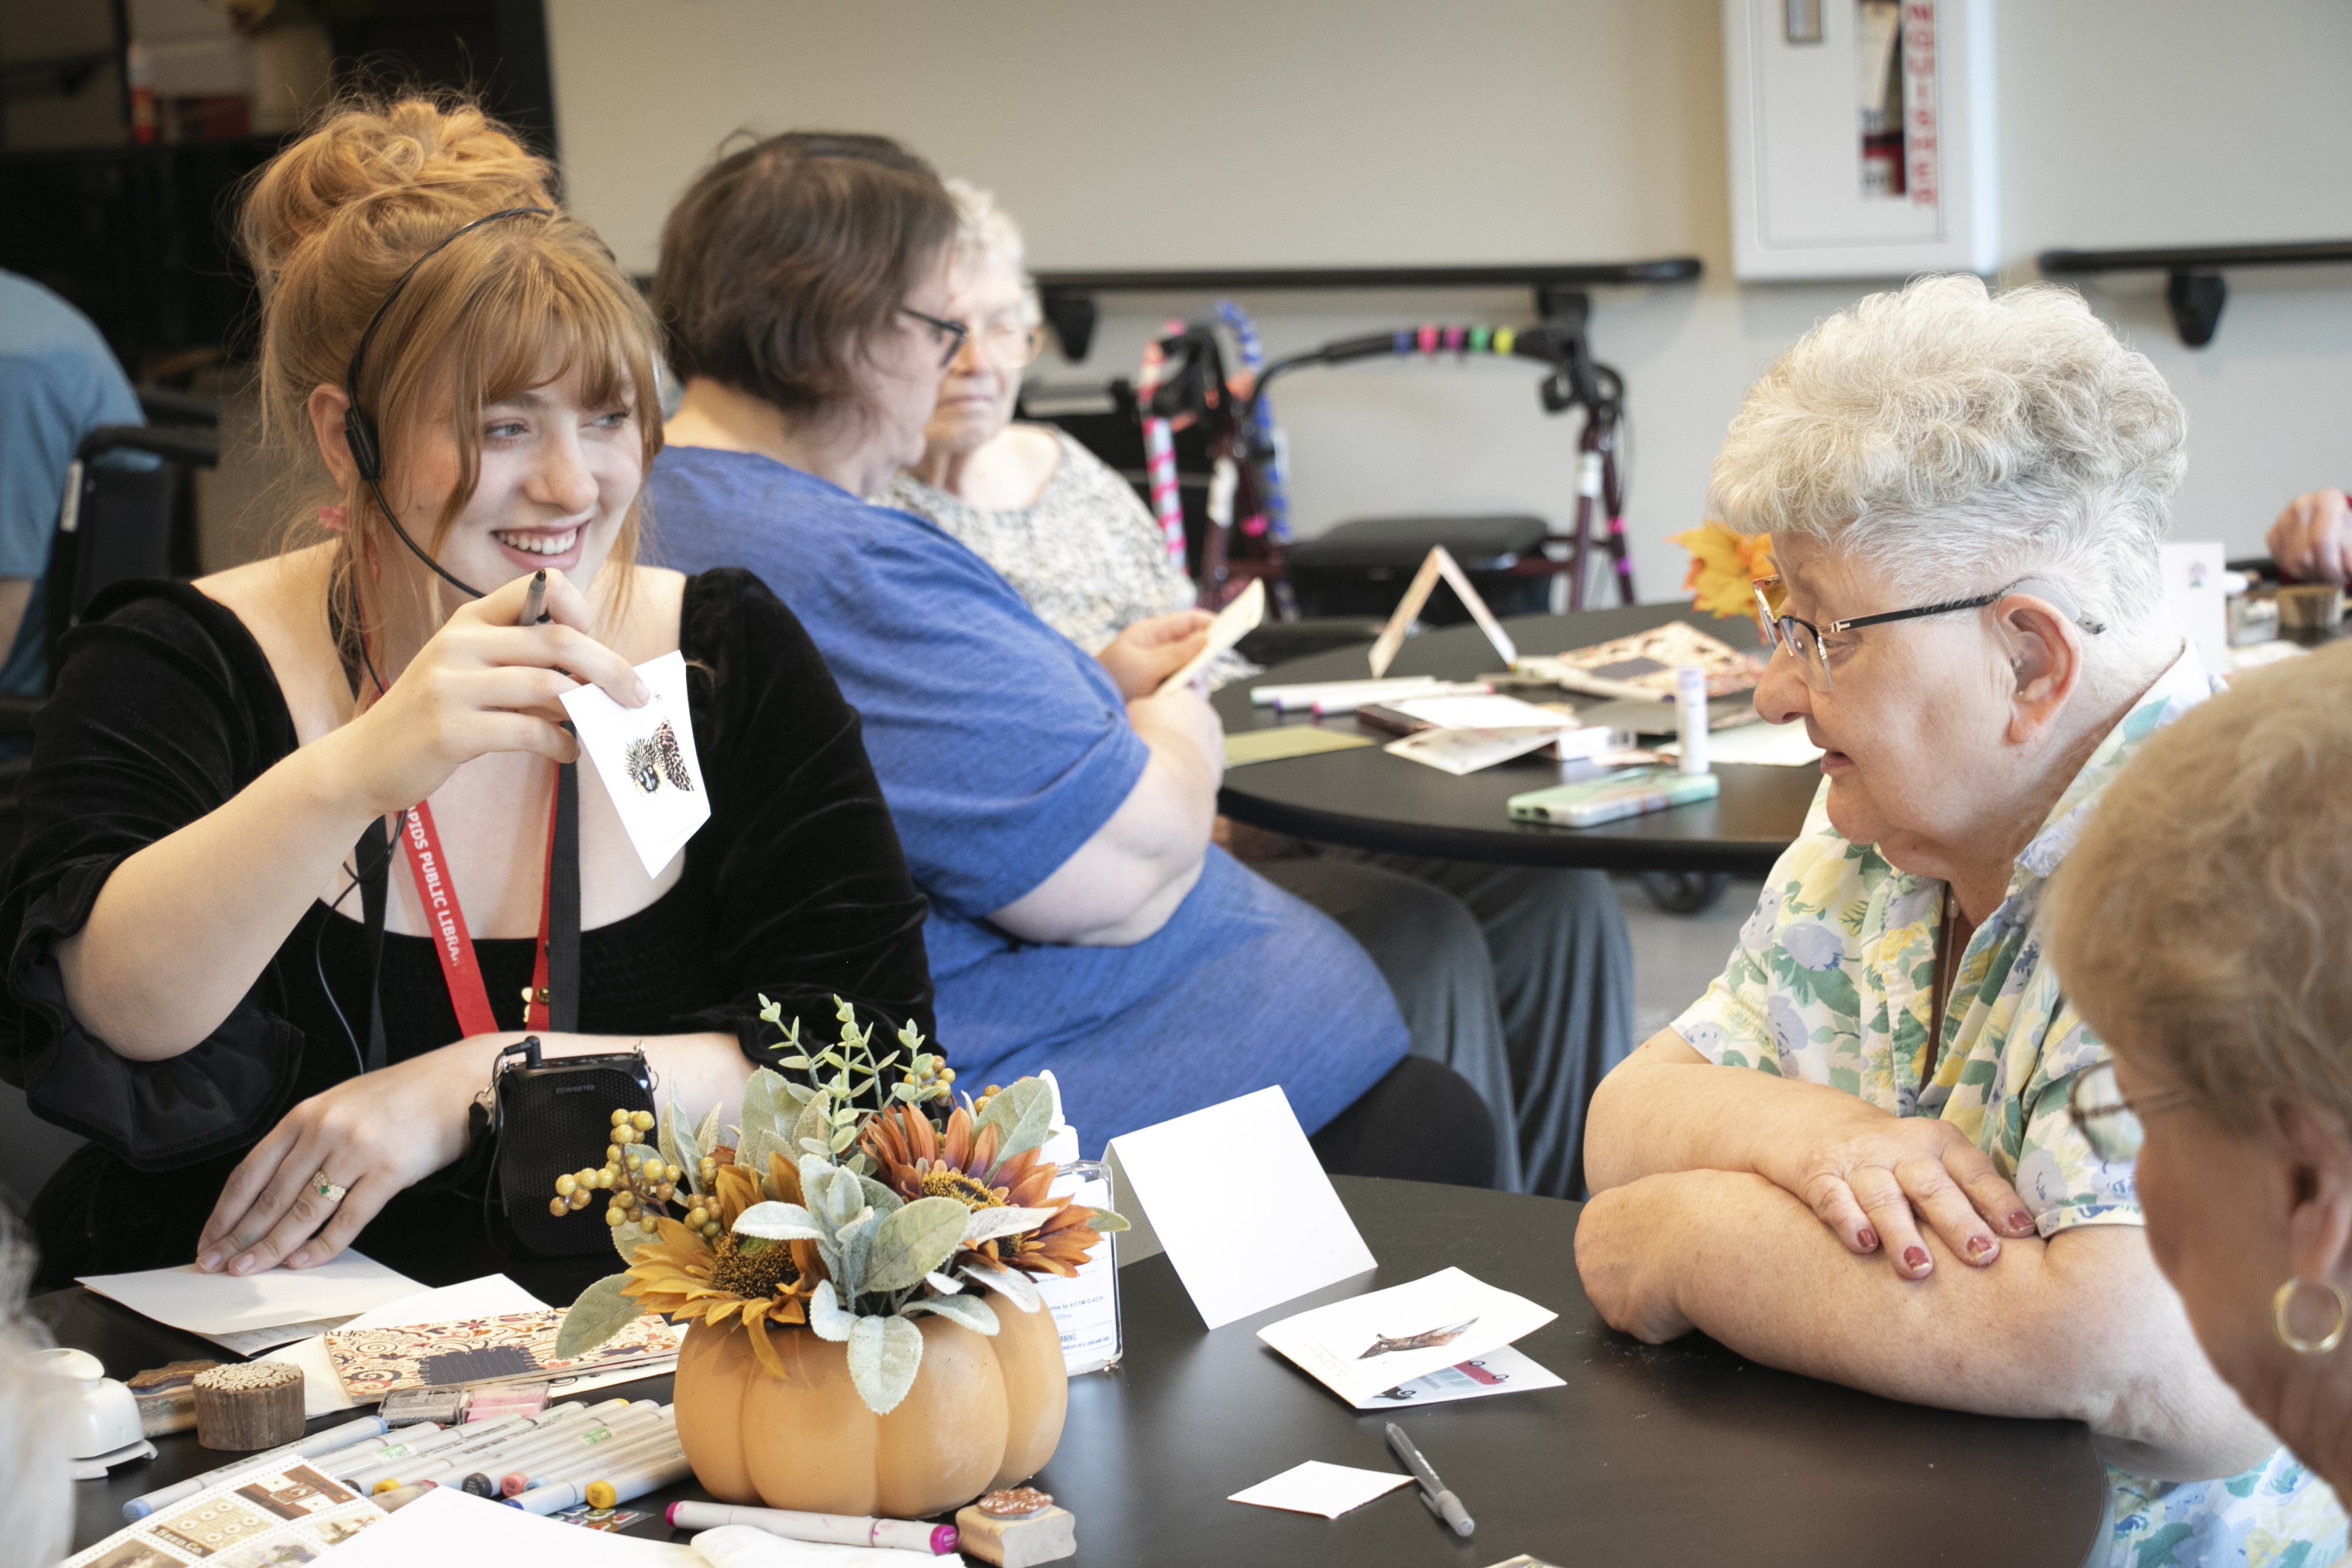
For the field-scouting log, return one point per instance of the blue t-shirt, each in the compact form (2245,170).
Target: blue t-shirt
(1001,748)
(58,382)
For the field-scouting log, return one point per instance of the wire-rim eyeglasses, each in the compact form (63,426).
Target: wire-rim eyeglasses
(1802,639)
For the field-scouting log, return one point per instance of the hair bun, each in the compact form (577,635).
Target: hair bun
(375,183)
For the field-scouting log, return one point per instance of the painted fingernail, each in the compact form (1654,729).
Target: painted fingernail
(1915,1259)
(1868,1239)
(208,1262)
(2020,1222)
(1981,1246)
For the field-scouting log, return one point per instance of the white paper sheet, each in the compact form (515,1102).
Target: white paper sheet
(448,1529)
(1503,1369)
(1318,1488)
(1259,1134)
(203,1303)
(1771,745)
(1484,712)
(1368,1344)
(647,761)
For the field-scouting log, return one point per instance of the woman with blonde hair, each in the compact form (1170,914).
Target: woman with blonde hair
(2205,924)
(469,378)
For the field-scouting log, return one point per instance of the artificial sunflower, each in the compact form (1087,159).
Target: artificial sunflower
(683,1277)
(916,1160)
(1723,565)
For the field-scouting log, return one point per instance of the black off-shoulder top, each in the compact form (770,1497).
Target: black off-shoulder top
(165,708)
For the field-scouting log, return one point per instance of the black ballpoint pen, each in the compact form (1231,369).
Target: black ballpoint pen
(1442,1502)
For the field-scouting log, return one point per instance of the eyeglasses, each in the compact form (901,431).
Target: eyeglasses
(946,336)
(1007,345)
(1804,641)
(2110,1122)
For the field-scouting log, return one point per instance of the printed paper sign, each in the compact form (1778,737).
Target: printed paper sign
(647,759)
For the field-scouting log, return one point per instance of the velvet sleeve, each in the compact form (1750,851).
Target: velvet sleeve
(810,897)
(163,710)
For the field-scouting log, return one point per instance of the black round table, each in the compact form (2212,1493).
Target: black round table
(1682,1454)
(1369,800)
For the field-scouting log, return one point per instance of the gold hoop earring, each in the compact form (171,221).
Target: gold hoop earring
(2284,1297)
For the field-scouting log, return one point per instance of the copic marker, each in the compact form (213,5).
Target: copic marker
(516,1464)
(450,1464)
(655,1445)
(469,1441)
(375,1449)
(621,1489)
(406,1456)
(833,1529)
(325,1442)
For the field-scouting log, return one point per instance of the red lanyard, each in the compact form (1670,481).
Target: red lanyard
(461,971)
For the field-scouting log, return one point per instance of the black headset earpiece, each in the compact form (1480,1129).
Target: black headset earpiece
(359,426)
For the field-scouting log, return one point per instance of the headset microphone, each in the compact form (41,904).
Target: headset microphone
(359,428)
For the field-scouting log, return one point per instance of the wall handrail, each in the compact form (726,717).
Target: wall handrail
(2194,290)
(1069,296)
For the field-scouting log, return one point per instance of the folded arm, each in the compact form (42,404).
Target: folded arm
(2080,1327)
(1122,884)
(1863,1172)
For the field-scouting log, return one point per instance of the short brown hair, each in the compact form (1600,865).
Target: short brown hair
(785,259)
(2204,921)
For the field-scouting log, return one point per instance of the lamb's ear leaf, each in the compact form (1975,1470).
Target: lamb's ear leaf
(1022,1113)
(764,1101)
(987,1225)
(969,1311)
(773,1221)
(886,1203)
(706,1137)
(1010,1283)
(914,1241)
(884,1353)
(628,1239)
(826,1319)
(599,1312)
(814,1120)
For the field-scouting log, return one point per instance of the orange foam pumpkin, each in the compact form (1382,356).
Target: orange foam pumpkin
(983,1412)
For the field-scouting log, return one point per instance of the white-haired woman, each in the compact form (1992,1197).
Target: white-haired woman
(1519,979)
(1965,494)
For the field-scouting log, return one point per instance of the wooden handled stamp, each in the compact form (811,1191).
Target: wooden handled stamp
(1015,1527)
(256,1406)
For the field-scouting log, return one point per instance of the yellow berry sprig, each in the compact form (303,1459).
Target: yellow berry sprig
(643,1186)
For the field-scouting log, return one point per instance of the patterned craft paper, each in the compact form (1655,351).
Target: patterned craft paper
(273,1515)
(373,1362)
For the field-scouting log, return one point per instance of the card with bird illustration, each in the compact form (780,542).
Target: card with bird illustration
(1367,1346)
(647,759)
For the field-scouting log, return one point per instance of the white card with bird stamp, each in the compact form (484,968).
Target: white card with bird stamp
(1365,1345)
(647,760)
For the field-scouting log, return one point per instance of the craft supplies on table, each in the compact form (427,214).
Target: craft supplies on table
(835,1528)
(1643,666)
(740,1546)
(317,1443)
(373,1362)
(1630,793)
(1366,1345)
(1754,745)
(243,1408)
(271,1507)
(253,1312)
(446,1529)
(1244,747)
(1330,696)
(1316,1486)
(1503,1369)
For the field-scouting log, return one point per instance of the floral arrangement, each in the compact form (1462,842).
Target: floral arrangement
(845,1207)
(1723,564)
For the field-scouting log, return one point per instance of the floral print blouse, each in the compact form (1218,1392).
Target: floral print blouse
(1832,983)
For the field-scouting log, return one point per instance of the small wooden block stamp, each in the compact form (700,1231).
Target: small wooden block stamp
(256,1406)
(1016,1528)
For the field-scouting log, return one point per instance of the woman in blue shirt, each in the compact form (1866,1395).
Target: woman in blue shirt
(1053,807)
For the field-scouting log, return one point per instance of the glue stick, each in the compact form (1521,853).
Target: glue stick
(1690,719)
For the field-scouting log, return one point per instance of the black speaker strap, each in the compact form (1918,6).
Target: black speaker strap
(563,906)
(372,856)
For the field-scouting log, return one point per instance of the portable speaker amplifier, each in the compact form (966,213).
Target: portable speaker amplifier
(555,1117)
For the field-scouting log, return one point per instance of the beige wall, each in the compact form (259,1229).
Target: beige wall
(1323,132)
